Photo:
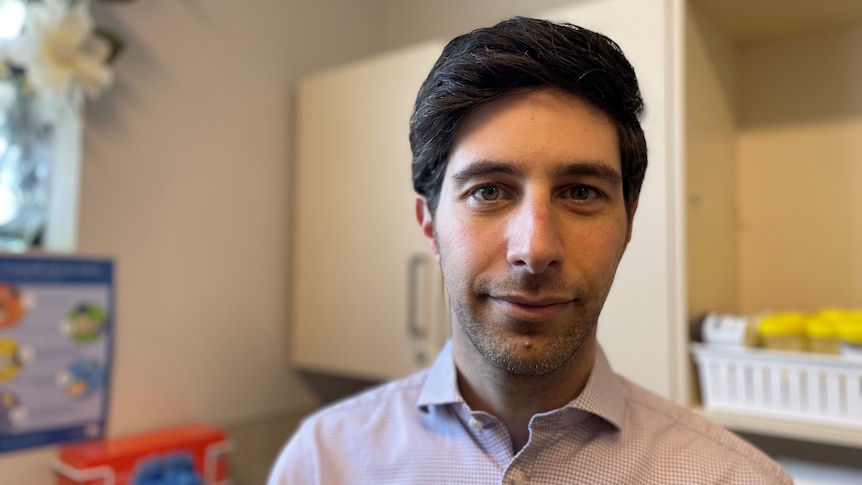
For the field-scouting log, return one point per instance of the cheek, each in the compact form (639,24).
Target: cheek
(470,245)
(454,240)
(603,247)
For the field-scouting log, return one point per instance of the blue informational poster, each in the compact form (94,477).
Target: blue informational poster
(56,342)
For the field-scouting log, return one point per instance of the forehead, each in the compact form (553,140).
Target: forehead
(537,131)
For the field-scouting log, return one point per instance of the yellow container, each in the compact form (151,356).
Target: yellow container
(822,331)
(783,331)
(850,333)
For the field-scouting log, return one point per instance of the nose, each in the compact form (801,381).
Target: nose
(533,237)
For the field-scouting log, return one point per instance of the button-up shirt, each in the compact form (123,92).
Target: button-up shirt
(419,430)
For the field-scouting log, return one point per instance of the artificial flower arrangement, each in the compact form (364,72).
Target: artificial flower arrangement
(58,48)
(51,56)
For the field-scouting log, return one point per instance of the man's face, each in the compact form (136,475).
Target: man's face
(530,228)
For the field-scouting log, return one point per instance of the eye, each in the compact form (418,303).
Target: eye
(488,193)
(581,192)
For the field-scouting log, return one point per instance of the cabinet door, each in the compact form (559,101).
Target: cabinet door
(638,327)
(367,297)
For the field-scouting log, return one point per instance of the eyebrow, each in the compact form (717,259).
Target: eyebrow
(589,168)
(485,167)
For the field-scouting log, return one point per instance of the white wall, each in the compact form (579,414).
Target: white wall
(186,184)
(408,21)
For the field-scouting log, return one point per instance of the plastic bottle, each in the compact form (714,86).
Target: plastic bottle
(850,333)
(783,331)
(822,331)
(726,330)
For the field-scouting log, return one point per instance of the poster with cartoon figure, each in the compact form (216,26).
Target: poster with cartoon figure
(56,343)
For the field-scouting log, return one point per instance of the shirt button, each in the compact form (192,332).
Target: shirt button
(475,423)
(520,478)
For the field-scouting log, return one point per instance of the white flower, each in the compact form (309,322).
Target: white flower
(12,14)
(57,49)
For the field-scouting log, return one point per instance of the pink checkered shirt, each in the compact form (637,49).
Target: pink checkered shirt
(419,431)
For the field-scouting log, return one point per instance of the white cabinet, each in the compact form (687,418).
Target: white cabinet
(367,299)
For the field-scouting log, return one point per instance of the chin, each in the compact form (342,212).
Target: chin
(529,356)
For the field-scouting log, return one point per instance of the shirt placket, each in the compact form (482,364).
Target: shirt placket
(490,434)
(518,470)
(545,430)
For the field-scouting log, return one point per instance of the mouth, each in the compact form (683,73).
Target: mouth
(531,309)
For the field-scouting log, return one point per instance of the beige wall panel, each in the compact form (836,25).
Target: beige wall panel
(801,112)
(711,175)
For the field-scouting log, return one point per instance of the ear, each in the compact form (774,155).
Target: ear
(631,222)
(426,225)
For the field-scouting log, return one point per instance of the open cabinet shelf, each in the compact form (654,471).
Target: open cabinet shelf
(772,123)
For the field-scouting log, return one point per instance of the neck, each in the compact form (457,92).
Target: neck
(515,399)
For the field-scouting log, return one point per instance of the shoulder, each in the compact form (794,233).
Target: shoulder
(376,402)
(692,440)
(334,443)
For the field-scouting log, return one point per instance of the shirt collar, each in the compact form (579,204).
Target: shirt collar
(441,386)
(602,396)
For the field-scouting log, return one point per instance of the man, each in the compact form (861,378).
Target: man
(528,158)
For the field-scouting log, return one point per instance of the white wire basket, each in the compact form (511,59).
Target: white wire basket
(800,386)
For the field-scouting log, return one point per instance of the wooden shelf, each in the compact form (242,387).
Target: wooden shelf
(782,428)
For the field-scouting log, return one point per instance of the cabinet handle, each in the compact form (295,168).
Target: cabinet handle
(414,265)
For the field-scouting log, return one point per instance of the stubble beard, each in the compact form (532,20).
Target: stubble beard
(498,339)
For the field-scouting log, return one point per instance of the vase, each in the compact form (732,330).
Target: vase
(27,152)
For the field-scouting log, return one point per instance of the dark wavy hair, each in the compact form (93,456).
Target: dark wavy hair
(524,53)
